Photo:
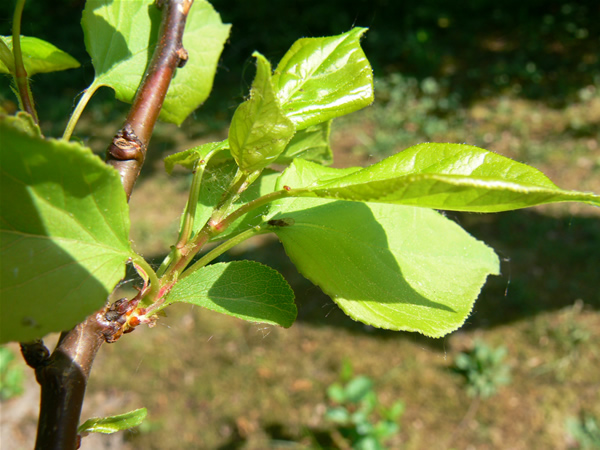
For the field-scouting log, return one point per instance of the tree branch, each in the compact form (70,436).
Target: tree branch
(63,376)
(127,151)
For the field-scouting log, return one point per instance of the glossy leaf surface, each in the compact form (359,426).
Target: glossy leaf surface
(412,269)
(447,176)
(112,424)
(322,78)
(259,129)
(244,289)
(390,266)
(64,234)
(39,56)
(311,143)
(191,156)
(120,37)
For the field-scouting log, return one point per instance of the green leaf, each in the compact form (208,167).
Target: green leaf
(7,59)
(447,176)
(39,56)
(259,129)
(120,36)
(389,266)
(358,388)
(112,424)
(64,234)
(189,157)
(311,143)
(338,415)
(322,78)
(24,123)
(214,180)
(244,289)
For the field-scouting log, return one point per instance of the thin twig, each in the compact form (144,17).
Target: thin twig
(127,151)
(63,376)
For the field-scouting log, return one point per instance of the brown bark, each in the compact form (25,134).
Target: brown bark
(128,149)
(63,376)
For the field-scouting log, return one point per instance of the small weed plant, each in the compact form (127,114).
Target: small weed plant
(11,375)
(362,422)
(483,368)
(585,431)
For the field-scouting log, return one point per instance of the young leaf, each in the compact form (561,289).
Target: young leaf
(311,143)
(64,234)
(244,289)
(112,424)
(120,37)
(39,56)
(189,157)
(389,266)
(446,176)
(24,123)
(322,78)
(259,129)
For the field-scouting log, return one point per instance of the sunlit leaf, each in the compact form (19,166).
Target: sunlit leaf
(445,176)
(112,424)
(244,289)
(23,122)
(322,78)
(39,56)
(259,129)
(120,36)
(389,266)
(190,157)
(311,143)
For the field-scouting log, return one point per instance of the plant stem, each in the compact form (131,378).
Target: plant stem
(154,282)
(83,101)
(63,377)
(20,75)
(257,203)
(190,207)
(127,151)
(225,246)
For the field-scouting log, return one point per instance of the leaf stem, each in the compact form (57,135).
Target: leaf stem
(20,74)
(127,151)
(83,101)
(254,204)
(225,246)
(154,282)
(190,208)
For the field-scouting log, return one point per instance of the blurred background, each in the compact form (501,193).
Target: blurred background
(521,78)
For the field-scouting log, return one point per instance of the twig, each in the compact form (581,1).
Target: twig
(63,376)
(128,148)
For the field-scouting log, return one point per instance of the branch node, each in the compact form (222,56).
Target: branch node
(35,353)
(126,146)
(183,56)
